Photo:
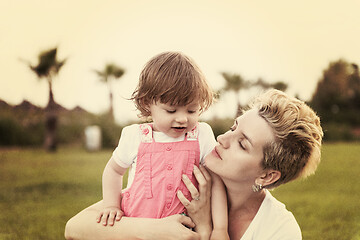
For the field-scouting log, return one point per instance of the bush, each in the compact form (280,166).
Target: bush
(220,126)
(110,131)
(337,132)
(13,133)
(9,130)
(70,133)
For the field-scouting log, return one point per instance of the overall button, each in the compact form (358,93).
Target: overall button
(127,195)
(168,205)
(169,167)
(169,187)
(168,148)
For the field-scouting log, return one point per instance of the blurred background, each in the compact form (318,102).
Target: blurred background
(67,69)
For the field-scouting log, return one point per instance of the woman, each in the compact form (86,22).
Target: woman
(276,141)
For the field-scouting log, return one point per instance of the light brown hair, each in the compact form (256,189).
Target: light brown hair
(298,135)
(171,78)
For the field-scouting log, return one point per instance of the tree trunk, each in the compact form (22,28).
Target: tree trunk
(50,134)
(51,122)
(111,110)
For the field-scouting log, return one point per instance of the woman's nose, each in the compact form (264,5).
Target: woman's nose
(223,140)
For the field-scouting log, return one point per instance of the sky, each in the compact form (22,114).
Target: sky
(278,40)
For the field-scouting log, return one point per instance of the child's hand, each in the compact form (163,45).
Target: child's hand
(219,234)
(109,215)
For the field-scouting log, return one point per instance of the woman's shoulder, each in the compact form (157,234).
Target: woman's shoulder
(273,222)
(280,221)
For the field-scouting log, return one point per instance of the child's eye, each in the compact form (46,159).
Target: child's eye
(191,111)
(171,111)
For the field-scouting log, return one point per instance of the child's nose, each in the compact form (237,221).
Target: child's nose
(181,119)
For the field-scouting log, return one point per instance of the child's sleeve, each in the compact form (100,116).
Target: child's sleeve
(206,140)
(126,151)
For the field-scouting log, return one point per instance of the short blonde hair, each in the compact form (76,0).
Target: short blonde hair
(172,78)
(298,135)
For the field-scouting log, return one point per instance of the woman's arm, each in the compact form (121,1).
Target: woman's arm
(84,227)
(219,209)
(199,207)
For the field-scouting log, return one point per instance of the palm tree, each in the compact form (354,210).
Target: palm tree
(235,82)
(110,72)
(265,85)
(47,68)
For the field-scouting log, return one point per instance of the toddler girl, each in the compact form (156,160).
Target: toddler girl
(173,92)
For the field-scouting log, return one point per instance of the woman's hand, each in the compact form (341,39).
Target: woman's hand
(170,228)
(83,226)
(199,207)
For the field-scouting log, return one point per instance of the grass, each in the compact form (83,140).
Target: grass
(326,205)
(39,192)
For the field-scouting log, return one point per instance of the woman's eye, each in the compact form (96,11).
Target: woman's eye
(191,112)
(242,145)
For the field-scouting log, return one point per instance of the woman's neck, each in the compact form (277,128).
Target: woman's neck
(242,200)
(243,207)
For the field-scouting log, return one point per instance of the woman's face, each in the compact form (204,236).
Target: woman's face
(239,152)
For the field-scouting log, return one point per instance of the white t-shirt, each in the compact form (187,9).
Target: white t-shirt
(273,222)
(125,153)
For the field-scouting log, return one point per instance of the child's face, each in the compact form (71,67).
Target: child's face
(174,121)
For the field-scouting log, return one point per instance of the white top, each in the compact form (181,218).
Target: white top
(273,222)
(125,153)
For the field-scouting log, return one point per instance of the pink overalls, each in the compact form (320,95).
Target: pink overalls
(158,175)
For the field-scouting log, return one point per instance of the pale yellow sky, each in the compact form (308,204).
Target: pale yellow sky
(279,40)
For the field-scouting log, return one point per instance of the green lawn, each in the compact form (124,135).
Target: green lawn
(327,204)
(39,192)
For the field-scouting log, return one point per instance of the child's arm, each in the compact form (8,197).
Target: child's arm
(219,209)
(112,186)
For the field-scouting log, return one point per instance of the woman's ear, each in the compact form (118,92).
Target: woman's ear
(269,176)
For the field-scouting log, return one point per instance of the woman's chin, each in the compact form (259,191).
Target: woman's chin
(210,162)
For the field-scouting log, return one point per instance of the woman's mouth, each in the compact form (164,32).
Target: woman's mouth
(215,153)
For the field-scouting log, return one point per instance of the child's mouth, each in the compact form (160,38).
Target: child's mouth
(179,129)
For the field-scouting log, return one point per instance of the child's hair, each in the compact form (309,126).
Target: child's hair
(171,78)
(298,135)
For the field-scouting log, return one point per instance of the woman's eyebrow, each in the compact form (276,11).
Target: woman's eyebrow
(248,139)
(244,134)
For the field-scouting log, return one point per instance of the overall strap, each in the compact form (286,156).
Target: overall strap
(147,138)
(146,133)
(193,134)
